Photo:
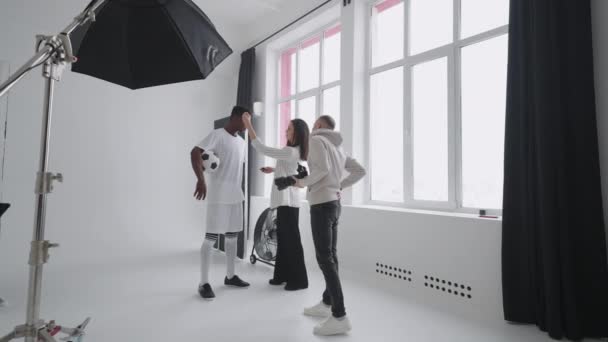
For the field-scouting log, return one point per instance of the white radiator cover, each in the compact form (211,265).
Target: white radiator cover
(463,251)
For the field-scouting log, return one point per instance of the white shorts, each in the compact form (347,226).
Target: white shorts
(224,218)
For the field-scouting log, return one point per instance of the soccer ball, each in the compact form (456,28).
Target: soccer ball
(210,161)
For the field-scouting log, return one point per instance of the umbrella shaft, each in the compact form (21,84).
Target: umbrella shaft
(40,57)
(83,17)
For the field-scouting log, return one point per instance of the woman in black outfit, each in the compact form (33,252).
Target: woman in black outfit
(289,264)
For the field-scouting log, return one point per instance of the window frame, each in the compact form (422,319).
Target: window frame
(317,92)
(452,52)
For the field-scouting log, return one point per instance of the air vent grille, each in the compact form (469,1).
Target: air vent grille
(394,272)
(449,287)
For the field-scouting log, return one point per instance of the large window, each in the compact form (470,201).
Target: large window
(386,148)
(437,90)
(309,79)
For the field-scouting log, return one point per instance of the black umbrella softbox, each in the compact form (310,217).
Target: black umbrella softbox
(146,43)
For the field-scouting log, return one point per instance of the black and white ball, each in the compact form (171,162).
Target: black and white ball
(210,161)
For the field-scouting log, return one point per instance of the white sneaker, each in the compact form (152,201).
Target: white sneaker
(333,326)
(319,310)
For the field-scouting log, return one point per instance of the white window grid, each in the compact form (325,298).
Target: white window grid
(316,92)
(452,52)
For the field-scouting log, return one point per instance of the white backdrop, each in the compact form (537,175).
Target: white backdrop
(125,155)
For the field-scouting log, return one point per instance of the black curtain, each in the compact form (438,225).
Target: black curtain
(244,97)
(555,273)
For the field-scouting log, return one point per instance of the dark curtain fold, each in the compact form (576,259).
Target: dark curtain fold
(555,272)
(244,97)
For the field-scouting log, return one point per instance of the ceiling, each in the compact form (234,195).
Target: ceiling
(256,17)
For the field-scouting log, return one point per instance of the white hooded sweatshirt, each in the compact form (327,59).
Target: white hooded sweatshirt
(331,170)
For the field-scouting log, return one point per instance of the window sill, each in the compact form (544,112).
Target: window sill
(407,210)
(424,212)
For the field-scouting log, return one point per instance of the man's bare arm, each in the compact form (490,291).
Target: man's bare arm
(197,166)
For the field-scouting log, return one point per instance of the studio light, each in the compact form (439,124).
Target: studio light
(132,43)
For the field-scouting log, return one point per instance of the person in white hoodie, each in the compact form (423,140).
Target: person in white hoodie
(331,170)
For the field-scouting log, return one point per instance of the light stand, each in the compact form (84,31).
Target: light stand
(53,53)
(3,207)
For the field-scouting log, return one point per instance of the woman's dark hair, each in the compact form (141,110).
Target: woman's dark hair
(300,134)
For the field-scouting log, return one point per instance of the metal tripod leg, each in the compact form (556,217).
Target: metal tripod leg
(25,331)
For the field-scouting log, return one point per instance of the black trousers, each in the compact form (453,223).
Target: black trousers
(324,219)
(289,263)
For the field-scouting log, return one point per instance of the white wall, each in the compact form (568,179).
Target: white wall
(600,47)
(455,248)
(124,154)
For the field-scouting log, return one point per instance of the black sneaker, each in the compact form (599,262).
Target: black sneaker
(206,291)
(235,281)
(275,282)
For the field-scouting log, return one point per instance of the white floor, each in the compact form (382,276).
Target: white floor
(154,299)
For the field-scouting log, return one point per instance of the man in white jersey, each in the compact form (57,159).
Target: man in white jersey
(224,195)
